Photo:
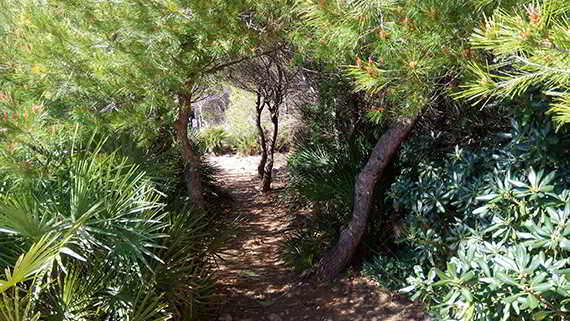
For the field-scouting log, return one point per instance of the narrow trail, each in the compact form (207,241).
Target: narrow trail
(257,284)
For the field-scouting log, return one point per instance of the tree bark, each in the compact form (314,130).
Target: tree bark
(266,182)
(259,106)
(191,159)
(339,256)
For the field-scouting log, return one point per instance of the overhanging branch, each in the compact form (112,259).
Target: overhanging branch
(237,61)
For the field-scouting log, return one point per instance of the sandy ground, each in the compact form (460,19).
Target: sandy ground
(257,284)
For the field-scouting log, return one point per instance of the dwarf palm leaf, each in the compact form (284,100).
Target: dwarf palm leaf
(106,203)
(94,223)
(14,307)
(37,259)
(21,215)
(77,294)
(149,307)
(186,278)
(323,173)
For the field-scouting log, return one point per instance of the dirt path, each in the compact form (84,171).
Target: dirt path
(258,285)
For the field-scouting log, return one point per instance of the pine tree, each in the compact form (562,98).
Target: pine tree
(405,55)
(133,57)
(530,44)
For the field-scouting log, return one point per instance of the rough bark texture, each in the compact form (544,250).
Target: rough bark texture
(266,182)
(191,160)
(259,106)
(262,163)
(339,257)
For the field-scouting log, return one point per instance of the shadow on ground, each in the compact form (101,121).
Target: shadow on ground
(256,284)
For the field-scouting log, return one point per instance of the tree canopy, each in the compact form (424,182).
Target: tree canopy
(431,133)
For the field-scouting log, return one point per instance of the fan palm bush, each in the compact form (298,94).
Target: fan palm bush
(322,168)
(88,237)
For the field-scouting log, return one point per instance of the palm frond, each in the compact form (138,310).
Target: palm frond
(38,259)
(15,307)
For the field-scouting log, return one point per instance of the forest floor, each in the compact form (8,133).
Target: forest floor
(257,284)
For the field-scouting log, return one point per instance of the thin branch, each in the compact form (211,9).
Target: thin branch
(234,62)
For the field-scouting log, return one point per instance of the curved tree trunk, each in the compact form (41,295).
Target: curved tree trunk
(259,106)
(266,182)
(340,255)
(191,160)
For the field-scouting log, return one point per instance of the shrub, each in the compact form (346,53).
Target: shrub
(511,255)
(245,143)
(390,271)
(89,237)
(488,229)
(302,248)
(213,140)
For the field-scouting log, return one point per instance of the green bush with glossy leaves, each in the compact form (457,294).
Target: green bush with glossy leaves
(489,227)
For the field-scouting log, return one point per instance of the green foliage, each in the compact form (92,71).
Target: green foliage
(322,169)
(311,169)
(93,228)
(487,229)
(516,269)
(302,248)
(246,144)
(390,271)
(240,125)
(126,53)
(213,139)
(401,59)
(530,47)
(89,235)
(405,53)
(186,278)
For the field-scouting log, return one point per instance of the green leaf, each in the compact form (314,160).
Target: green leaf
(70,252)
(487,197)
(481,210)
(565,243)
(532,301)
(467,294)
(543,287)
(519,184)
(467,277)
(540,315)
(501,276)
(37,259)
(512,298)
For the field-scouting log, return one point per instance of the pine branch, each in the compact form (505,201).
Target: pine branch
(539,66)
(220,67)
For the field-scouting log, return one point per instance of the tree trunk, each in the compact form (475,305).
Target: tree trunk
(266,182)
(339,256)
(259,105)
(191,160)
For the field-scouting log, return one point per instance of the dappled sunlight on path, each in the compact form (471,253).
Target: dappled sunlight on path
(255,282)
